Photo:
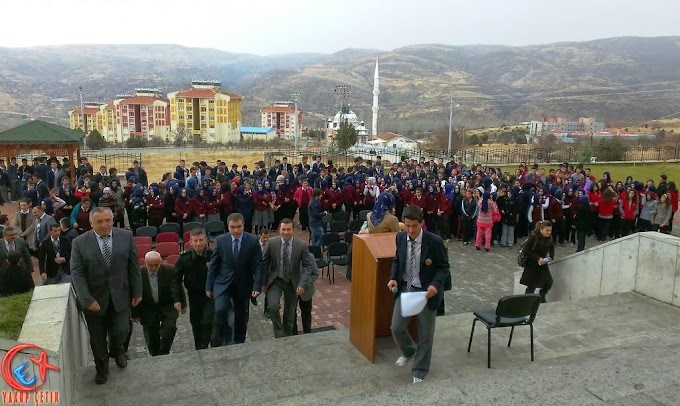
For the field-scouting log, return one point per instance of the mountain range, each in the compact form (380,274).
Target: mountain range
(617,80)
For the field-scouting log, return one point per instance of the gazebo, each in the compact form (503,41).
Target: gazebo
(51,139)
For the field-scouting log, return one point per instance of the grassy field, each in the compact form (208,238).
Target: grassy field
(620,171)
(12,314)
(157,163)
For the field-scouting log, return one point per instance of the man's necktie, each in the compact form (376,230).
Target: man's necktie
(11,246)
(412,265)
(106,250)
(286,262)
(236,249)
(37,232)
(154,286)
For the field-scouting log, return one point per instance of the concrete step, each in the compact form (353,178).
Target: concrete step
(614,348)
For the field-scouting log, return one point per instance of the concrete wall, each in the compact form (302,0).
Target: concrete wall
(54,323)
(646,263)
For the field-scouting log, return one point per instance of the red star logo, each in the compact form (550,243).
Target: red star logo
(43,365)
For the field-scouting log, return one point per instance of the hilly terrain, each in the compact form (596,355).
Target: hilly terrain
(622,80)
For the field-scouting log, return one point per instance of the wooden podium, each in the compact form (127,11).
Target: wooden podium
(372,302)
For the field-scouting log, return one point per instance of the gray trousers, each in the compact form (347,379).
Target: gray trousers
(112,327)
(423,349)
(508,235)
(279,287)
(61,277)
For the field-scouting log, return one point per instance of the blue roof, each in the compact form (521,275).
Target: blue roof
(256,130)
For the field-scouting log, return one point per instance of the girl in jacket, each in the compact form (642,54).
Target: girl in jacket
(672,191)
(244,204)
(303,196)
(169,203)
(182,213)
(647,212)
(199,206)
(663,214)
(468,215)
(594,197)
(605,214)
(582,220)
(445,211)
(430,210)
(509,208)
(155,207)
(263,215)
(332,198)
(485,221)
(567,212)
(629,207)
(540,250)
(80,216)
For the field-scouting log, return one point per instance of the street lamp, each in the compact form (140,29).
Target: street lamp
(451,122)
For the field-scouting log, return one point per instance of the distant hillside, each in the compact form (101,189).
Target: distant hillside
(625,79)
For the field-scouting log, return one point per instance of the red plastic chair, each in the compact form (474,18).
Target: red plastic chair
(142,261)
(187,246)
(167,236)
(186,237)
(142,240)
(142,249)
(167,248)
(172,259)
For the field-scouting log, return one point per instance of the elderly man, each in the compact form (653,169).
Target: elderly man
(157,312)
(10,243)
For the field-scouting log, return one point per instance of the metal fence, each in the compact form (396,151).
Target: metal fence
(488,155)
(119,160)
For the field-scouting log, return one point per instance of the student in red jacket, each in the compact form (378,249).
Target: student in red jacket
(605,214)
(419,199)
(182,212)
(594,196)
(445,211)
(332,198)
(430,212)
(199,206)
(303,195)
(556,216)
(629,207)
(672,191)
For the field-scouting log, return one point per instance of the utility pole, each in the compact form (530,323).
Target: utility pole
(295,96)
(451,123)
(82,112)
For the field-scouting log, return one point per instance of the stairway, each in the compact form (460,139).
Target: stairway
(621,349)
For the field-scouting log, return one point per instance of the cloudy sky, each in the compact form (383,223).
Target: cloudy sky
(281,26)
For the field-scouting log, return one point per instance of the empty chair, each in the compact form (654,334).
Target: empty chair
(169,227)
(146,231)
(167,236)
(326,220)
(511,311)
(338,227)
(143,240)
(363,214)
(347,237)
(341,216)
(167,248)
(142,249)
(337,255)
(191,225)
(320,262)
(329,239)
(187,236)
(355,226)
(214,229)
(172,259)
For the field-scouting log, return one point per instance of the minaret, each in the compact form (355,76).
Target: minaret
(376,92)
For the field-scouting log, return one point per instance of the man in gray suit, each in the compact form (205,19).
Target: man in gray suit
(10,243)
(42,225)
(106,288)
(286,269)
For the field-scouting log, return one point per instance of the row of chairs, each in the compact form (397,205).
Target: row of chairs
(213,229)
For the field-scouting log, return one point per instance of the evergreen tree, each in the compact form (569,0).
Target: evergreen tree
(95,140)
(346,136)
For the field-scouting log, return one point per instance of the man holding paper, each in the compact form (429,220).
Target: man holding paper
(419,273)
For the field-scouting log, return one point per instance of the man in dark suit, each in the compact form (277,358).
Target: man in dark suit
(54,256)
(42,224)
(284,260)
(234,275)
(421,264)
(40,187)
(10,243)
(52,180)
(106,288)
(157,312)
(191,272)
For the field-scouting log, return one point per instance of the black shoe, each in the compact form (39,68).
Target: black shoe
(102,373)
(121,359)
(486,249)
(253,300)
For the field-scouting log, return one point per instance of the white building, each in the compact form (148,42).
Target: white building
(334,125)
(392,140)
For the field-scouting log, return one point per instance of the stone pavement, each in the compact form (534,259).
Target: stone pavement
(621,349)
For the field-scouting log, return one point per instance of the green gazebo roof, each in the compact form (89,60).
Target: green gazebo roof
(40,132)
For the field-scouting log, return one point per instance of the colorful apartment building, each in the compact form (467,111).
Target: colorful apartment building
(145,114)
(205,110)
(92,122)
(281,117)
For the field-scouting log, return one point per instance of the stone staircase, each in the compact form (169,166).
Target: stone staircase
(621,349)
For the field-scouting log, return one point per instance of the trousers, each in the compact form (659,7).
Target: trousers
(408,347)
(112,326)
(282,327)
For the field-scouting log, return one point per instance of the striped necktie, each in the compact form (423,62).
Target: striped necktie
(412,265)
(106,250)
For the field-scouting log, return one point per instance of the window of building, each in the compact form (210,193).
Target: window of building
(211,101)
(180,100)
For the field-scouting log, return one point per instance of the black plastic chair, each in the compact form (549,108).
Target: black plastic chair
(191,225)
(341,216)
(355,226)
(517,310)
(146,231)
(337,255)
(348,237)
(320,262)
(214,229)
(328,239)
(338,227)
(363,214)
(169,227)
(326,220)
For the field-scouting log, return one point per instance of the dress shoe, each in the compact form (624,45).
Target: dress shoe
(121,359)
(102,373)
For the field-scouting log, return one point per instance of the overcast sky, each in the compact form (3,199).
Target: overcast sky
(281,26)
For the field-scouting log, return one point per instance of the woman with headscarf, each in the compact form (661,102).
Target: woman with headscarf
(199,206)
(445,205)
(155,207)
(213,203)
(262,211)
(244,204)
(171,193)
(332,198)
(430,209)
(182,211)
(70,202)
(108,200)
(382,219)
(567,205)
(357,198)
(371,192)
(119,215)
(485,221)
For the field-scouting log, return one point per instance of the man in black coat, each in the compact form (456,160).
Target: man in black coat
(54,256)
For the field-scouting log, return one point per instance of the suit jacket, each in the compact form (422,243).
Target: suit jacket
(47,256)
(147,309)
(42,189)
(244,271)
(299,261)
(310,275)
(93,281)
(21,246)
(44,230)
(434,264)
(29,234)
